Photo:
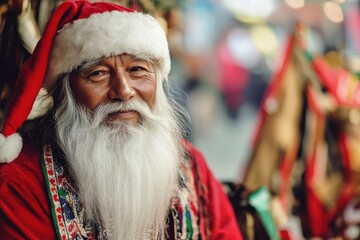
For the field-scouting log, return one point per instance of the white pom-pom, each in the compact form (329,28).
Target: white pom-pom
(10,147)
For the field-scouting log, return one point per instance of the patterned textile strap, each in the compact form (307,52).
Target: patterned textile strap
(203,201)
(185,207)
(67,210)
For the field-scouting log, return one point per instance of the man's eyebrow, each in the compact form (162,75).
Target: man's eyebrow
(139,58)
(85,65)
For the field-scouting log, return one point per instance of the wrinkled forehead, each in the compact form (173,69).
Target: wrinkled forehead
(93,62)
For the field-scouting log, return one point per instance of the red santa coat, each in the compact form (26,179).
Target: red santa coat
(25,211)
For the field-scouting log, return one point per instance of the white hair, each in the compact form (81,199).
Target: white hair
(126,173)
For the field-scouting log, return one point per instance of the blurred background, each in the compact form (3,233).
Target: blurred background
(271,87)
(226,53)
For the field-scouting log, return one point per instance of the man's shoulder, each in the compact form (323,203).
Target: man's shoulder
(191,149)
(197,159)
(26,167)
(194,154)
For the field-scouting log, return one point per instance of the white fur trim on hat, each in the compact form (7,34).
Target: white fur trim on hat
(108,34)
(42,104)
(10,147)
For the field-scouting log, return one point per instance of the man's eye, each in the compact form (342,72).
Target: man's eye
(97,75)
(137,68)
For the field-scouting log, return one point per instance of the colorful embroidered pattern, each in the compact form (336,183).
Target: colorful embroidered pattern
(67,210)
(185,208)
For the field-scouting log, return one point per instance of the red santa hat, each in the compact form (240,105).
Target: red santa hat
(76,32)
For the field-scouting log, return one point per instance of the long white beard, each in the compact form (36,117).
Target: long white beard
(126,173)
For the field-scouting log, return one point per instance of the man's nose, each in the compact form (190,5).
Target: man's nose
(121,88)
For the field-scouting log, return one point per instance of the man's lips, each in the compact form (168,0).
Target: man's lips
(124,115)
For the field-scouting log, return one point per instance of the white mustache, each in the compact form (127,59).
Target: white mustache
(133,105)
(103,111)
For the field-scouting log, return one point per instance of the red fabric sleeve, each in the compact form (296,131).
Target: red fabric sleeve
(222,217)
(24,206)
